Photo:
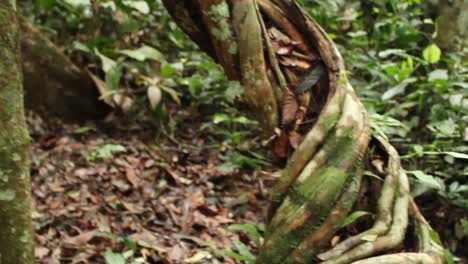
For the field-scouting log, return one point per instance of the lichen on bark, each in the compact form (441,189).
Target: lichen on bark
(15,198)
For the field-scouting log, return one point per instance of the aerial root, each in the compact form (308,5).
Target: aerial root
(390,226)
(384,215)
(407,258)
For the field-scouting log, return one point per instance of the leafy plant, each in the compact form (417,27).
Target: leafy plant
(241,251)
(104,152)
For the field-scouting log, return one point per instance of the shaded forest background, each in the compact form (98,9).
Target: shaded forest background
(175,115)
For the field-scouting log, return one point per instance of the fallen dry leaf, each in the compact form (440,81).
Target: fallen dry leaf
(132,177)
(81,239)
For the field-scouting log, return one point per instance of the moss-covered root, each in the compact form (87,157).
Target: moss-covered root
(357,250)
(384,208)
(15,200)
(406,258)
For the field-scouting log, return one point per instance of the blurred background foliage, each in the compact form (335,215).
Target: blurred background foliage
(413,86)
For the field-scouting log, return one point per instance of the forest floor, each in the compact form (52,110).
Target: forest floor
(161,202)
(113,187)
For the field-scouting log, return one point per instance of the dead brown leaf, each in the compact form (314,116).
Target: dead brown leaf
(81,239)
(132,177)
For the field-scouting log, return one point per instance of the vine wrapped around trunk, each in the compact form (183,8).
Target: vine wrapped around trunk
(296,84)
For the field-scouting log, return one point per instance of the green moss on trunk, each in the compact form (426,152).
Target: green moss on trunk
(15,197)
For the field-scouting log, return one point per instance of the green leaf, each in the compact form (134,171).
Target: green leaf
(432,53)
(130,243)
(113,76)
(394,91)
(105,152)
(234,90)
(435,237)
(140,6)
(353,217)
(456,155)
(425,178)
(449,257)
(438,75)
(144,53)
(81,46)
(77,3)
(244,120)
(244,251)
(46,3)
(221,118)
(386,53)
(250,229)
(107,63)
(114,258)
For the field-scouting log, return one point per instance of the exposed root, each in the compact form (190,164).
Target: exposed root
(384,213)
(406,258)
(390,227)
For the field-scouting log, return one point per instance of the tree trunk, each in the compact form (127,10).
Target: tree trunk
(296,83)
(52,83)
(452,22)
(16,236)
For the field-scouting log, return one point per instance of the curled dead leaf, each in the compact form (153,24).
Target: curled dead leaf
(80,240)
(154,96)
(281,145)
(290,107)
(123,101)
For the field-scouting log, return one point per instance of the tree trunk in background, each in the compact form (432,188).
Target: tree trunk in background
(16,236)
(52,83)
(296,84)
(452,23)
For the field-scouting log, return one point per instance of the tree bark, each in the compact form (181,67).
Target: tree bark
(53,84)
(452,21)
(296,83)
(16,236)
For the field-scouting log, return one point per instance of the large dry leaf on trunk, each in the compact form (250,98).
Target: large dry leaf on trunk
(280,37)
(310,79)
(281,145)
(290,107)
(289,61)
(308,57)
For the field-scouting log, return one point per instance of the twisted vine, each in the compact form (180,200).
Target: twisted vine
(327,154)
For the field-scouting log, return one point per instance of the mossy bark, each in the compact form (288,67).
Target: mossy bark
(16,236)
(53,84)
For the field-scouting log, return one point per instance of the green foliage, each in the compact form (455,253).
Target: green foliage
(353,217)
(114,258)
(415,92)
(253,231)
(241,251)
(104,152)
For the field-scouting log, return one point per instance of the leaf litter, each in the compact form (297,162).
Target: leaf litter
(152,203)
